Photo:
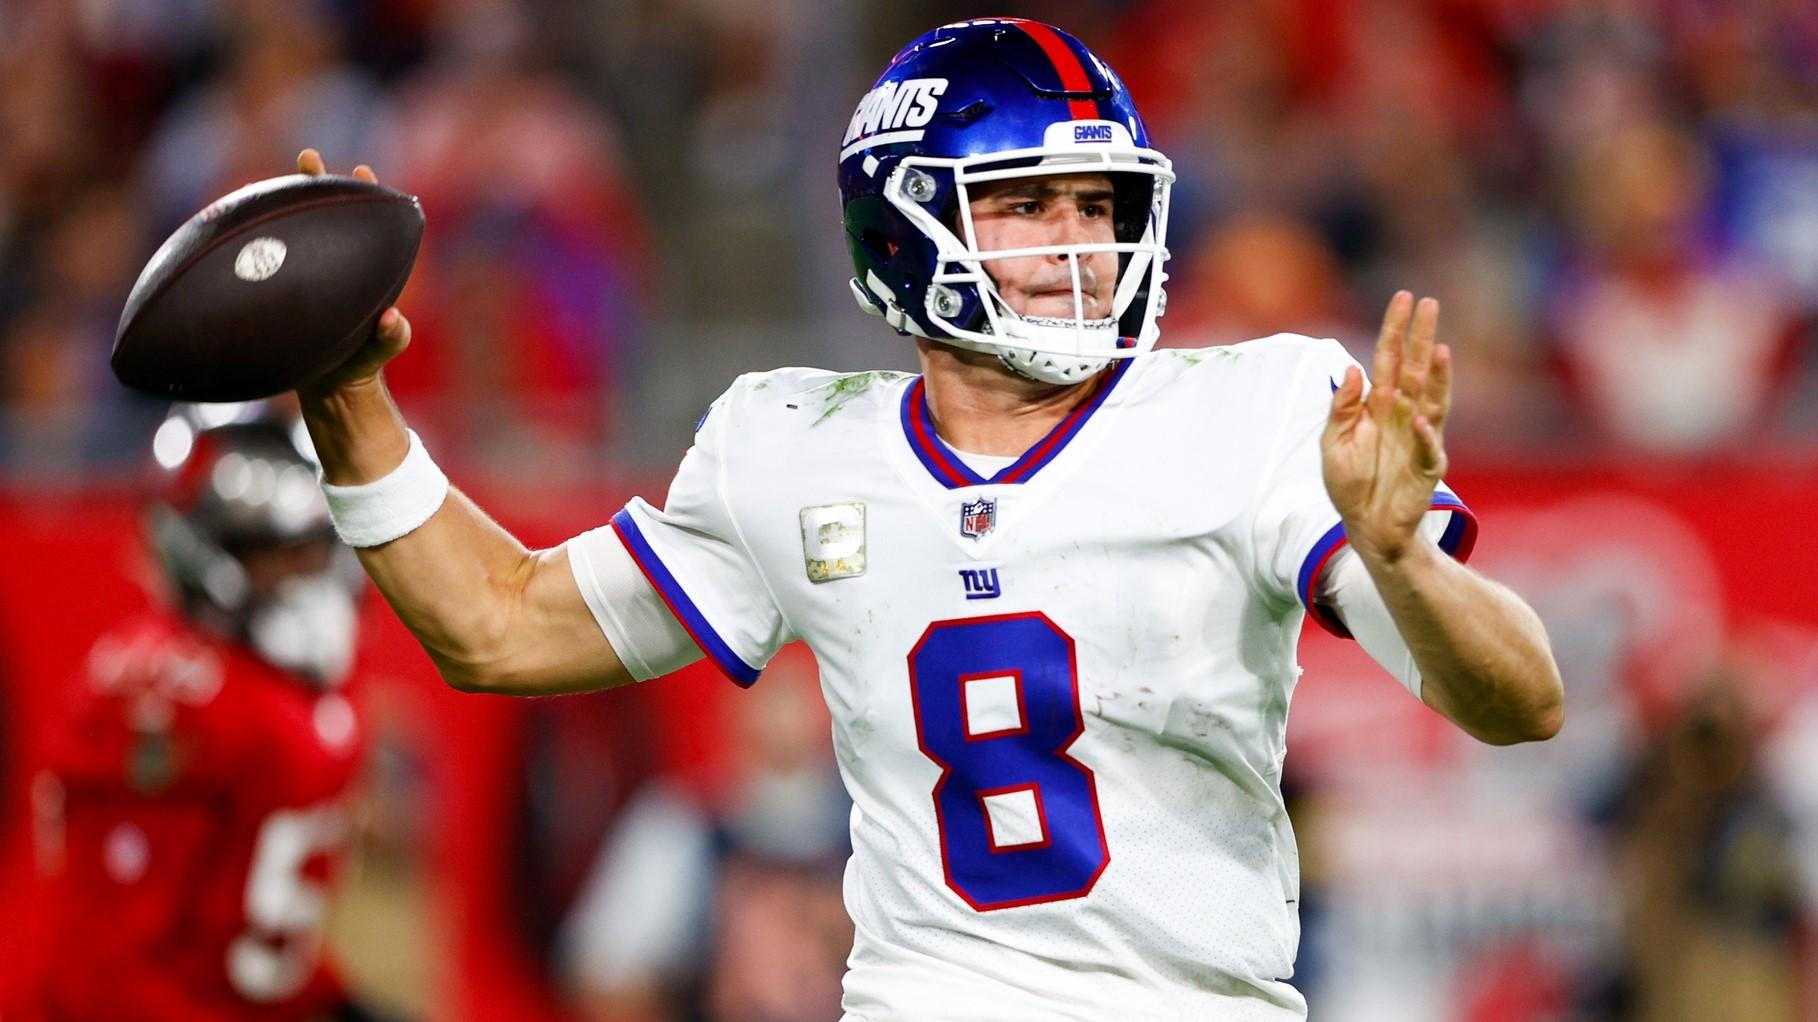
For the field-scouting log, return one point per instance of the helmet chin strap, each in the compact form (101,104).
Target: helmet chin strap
(1044,367)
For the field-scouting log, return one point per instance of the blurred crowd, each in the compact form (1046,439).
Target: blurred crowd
(631,201)
(1616,201)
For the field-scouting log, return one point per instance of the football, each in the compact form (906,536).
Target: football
(267,288)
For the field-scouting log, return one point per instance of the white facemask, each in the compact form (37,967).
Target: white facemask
(308,626)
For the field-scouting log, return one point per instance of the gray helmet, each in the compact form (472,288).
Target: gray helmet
(232,480)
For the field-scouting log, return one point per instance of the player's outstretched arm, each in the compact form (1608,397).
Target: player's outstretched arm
(494,616)
(1483,654)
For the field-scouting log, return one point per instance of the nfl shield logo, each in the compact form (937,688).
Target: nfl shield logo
(978,517)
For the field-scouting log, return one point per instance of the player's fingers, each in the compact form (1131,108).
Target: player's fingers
(1385,369)
(364,173)
(1429,449)
(1436,402)
(310,162)
(1417,351)
(1401,411)
(394,331)
(1347,404)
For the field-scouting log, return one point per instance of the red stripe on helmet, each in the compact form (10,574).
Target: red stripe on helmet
(1066,64)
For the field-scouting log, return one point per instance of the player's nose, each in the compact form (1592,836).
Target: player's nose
(1071,227)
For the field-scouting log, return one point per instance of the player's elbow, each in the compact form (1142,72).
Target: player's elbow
(468,654)
(526,673)
(469,677)
(1546,712)
(494,670)
(481,663)
(1548,721)
(1535,721)
(1537,725)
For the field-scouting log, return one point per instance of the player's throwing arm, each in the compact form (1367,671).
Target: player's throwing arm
(493,615)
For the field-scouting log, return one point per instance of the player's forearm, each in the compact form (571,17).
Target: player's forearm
(439,578)
(459,581)
(1482,652)
(455,583)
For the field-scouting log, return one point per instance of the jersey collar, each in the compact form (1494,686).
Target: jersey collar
(948,470)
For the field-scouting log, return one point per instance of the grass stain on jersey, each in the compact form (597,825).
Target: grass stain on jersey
(1194,356)
(844,388)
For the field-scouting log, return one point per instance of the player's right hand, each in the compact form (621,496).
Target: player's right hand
(393,333)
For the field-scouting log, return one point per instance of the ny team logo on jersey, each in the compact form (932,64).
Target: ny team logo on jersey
(980,583)
(978,518)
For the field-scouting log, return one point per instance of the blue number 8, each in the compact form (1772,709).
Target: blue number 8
(1019,818)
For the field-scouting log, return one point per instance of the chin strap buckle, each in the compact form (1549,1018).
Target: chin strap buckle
(866,303)
(892,312)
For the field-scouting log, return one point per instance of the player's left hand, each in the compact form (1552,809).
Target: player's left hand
(1383,453)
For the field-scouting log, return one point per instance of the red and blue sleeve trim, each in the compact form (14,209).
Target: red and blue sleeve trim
(1458,540)
(692,620)
(951,472)
(1460,537)
(1311,568)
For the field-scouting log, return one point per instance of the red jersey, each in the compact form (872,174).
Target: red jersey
(188,826)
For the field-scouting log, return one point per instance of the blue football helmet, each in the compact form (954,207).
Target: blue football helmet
(984,101)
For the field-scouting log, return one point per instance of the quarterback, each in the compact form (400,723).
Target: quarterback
(1054,582)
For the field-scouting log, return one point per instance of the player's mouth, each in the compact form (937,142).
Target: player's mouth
(1058,301)
(1060,291)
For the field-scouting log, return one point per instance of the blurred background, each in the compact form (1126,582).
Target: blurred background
(631,202)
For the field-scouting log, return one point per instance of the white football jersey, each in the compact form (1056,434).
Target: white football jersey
(1059,694)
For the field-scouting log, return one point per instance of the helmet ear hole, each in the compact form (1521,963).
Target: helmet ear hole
(879,244)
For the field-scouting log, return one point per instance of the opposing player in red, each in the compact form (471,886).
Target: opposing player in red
(189,815)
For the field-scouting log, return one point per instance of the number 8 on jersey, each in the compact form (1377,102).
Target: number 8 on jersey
(996,708)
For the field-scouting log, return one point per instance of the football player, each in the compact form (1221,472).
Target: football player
(188,819)
(1054,582)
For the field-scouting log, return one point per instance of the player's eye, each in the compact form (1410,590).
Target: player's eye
(1026,207)
(1093,210)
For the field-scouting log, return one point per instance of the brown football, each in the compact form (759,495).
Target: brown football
(267,288)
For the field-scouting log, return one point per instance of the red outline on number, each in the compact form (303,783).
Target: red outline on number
(1022,707)
(1041,819)
(1079,728)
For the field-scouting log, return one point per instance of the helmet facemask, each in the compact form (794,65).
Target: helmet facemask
(965,301)
(307,623)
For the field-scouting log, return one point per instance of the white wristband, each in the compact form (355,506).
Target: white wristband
(389,507)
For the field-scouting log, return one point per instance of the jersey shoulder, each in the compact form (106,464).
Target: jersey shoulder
(760,409)
(1278,356)
(1257,380)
